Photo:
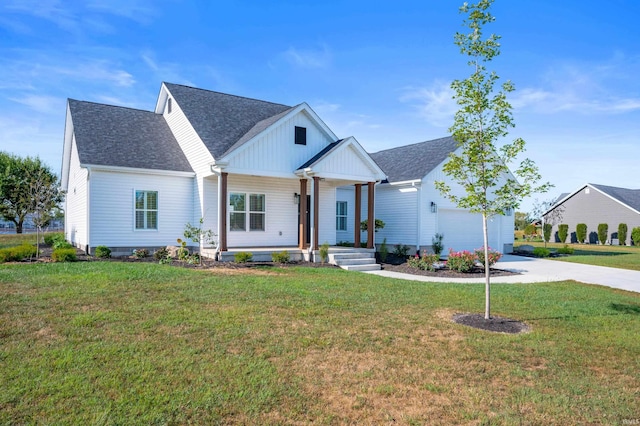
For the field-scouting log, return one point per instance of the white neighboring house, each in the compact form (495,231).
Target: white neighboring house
(260,174)
(414,210)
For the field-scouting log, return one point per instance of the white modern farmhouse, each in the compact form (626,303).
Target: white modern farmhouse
(261,175)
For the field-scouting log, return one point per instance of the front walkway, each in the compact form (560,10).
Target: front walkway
(534,270)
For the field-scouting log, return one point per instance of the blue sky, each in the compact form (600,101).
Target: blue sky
(379,71)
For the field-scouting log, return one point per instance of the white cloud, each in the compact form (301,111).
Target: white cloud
(40,103)
(435,104)
(168,71)
(309,58)
(141,11)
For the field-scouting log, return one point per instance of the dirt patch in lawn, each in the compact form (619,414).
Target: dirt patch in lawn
(494,324)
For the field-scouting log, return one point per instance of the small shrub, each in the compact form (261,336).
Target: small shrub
(581,232)
(280,257)
(530,231)
(17,253)
(622,234)
(563,232)
(52,238)
(141,253)
(436,243)
(193,259)
(378,224)
(494,256)
(565,250)
(161,254)
(635,236)
(461,261)
(64,255)
(61,244)
(183,251)
(243,257)
(384,250)
(603,232)
(426,262)
(344,244)
(103,252)
(324,252)
(401,250)
(541,252)
(546,231)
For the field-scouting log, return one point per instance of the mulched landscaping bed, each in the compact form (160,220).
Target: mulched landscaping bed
(398,264)
(494,324)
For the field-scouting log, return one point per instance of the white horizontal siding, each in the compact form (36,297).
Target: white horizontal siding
(194,149)
(112,208)
(346,194)
(76,201)
(398,210)
(276,152)
(327,213)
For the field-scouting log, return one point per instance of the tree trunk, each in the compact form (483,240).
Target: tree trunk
(18,227)
(487,272)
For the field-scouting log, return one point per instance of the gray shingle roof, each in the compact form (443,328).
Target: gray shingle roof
(223,121)
(630,197)
(109,135)
(412,162)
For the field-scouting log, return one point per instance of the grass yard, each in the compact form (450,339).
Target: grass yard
(120,343)
(623,257)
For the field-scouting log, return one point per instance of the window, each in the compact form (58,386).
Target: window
(146,207)
(341,215)
(238,212)
(301,135)
(168,105)
(237,215)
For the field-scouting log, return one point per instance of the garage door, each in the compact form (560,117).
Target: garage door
(463,230)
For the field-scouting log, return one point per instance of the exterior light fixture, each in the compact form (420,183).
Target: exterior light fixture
(434,207)
(296,198)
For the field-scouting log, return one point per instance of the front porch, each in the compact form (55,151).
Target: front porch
(349,258)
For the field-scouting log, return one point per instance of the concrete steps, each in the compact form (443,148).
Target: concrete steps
(355,260)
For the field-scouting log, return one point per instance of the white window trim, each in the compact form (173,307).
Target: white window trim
(157,210)
(247,212)
(345,216)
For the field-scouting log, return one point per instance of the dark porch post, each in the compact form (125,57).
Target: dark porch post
(370,219)
(316,203)
(223,211)
(357,214)
(302,225)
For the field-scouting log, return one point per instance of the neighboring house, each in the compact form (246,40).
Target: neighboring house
(592,205)
(261,175)
(414,210)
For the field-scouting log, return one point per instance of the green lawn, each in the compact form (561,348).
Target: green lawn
(122,343)
(624,257)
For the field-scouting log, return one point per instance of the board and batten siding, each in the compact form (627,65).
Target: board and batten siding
(194,149)
(113,210)
(275,152)
(594,208)
(75,227)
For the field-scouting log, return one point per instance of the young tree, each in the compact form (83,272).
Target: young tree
(44,195)
(15,192)
(479,166)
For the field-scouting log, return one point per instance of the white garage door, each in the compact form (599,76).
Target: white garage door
(463,230)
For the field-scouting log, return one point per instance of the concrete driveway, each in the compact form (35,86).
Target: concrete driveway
(534,270)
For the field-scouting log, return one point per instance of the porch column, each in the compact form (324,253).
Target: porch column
(370,219)
(357,215)
(302,225)
(223,211)
(316,203)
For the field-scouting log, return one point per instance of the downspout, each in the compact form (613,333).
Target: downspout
(419,217)
(88,223)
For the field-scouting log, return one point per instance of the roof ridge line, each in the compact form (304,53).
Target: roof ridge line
(227,94)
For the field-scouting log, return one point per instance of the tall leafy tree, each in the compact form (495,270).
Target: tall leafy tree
(17,181)
(480,165)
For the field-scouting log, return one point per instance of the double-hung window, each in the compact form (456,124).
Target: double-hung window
(341,215)
(240,212)
(146,207)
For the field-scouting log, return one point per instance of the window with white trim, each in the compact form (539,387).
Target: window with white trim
(341,215)
(146,208)
(240,212)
